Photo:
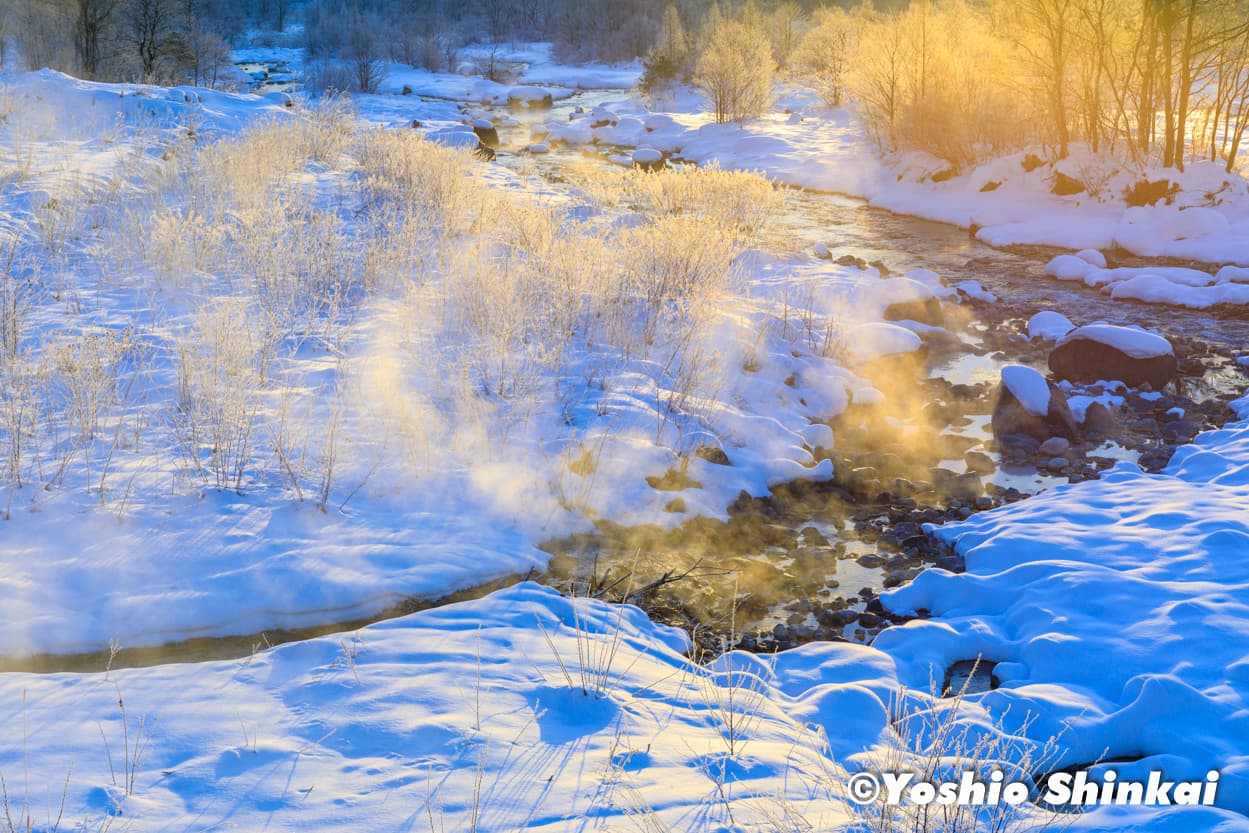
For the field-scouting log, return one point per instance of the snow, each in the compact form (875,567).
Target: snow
(976,291)
(1079,404)
(1048,325)
(1132,342)
(1029,387)
(1069,268)
(532,95)
(454,137)
(451,712)
(1093,256)
(1174,285)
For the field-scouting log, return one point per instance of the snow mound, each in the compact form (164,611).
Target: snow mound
(879,339)
(1069,268)
(1048,325)
(454,137)
(1092,256)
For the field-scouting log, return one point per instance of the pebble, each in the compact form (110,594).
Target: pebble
(1054,446)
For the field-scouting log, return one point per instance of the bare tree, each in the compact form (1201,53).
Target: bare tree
(1044,36)
(364,52)
(736,72)
(149,22)
(92,20)
(785,28)
(826,51)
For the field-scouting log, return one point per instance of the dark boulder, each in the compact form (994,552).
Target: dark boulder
(486,133)
(1066,186)
(1146,192)
(927,311)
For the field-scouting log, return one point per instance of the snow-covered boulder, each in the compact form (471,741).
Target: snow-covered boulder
(530,97)
(648,159)
(1028,404)
(1112,353)
(1069,268)
(486,132)
(878,340)
(539,148)
(821,251)
(455,137)
(1048,325)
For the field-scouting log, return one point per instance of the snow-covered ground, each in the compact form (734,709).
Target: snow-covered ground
(1116,611)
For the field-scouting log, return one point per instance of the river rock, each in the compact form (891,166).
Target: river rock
(927,311)
(979,462)
(1054,447)
(1108,352)
(1100,420)
(1029,405)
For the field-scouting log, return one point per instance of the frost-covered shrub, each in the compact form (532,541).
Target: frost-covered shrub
(738,202)
(301,274)
(674,266)
(180,241)
(401,167)
(222,366)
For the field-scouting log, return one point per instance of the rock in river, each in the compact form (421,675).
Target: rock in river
(1028,404)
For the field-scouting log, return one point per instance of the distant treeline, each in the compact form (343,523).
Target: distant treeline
(1147,80)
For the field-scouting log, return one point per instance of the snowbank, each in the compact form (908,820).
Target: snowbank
(1174,285)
